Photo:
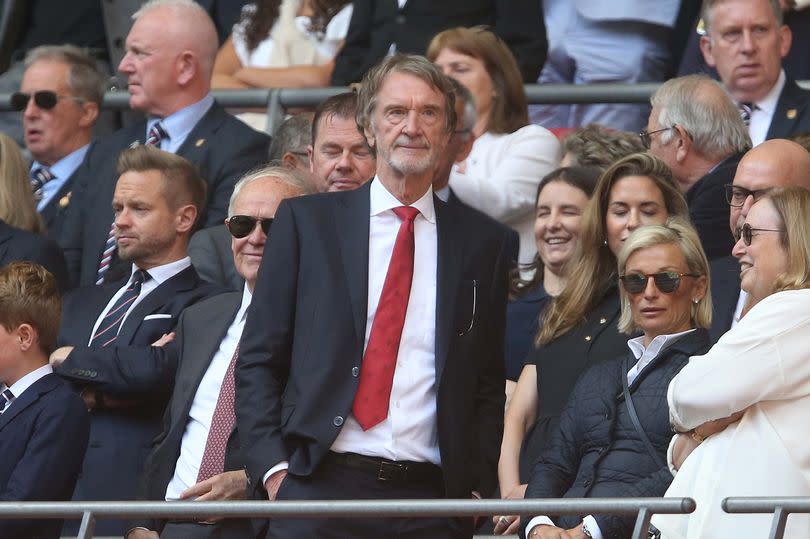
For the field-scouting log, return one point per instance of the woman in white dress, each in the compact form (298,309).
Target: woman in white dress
(509,156)
(758,375)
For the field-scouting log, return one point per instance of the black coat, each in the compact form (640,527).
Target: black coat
(597,452)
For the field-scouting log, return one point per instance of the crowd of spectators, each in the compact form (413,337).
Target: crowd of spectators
(457,294)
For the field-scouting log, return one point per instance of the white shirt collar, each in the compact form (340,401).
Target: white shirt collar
(28,380)
(637,345)
(161,274)
(247,297)
(768,103)
(382,200)
(180,123)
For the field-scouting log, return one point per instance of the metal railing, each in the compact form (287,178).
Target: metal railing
(644,508)
(780,507)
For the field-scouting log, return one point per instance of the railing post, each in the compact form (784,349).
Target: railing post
(275,111)
(642,529)
(779,523)
(88,526)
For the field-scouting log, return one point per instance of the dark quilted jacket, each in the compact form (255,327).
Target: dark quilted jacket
(597,452)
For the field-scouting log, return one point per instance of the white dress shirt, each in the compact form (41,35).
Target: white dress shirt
(62,170)
(643,358)
(762,113)
(157,276)
(202,407)
(179,124)
(18,387)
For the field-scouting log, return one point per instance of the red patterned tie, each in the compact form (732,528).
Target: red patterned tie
(377,374)
(213,460)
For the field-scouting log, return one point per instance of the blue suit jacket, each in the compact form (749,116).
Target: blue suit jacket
(43,437)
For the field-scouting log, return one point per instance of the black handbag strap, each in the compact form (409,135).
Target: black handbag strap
(634,417)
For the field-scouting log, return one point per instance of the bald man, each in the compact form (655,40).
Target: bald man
(169,63)
(774,163)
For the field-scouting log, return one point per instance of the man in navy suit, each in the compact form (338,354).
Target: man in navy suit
(157,201)
(43,423)
(169,62)
(60,97)
(371,363)
(745,41)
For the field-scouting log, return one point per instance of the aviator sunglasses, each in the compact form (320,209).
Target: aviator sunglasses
(666,281)
(241,226)
(44,99)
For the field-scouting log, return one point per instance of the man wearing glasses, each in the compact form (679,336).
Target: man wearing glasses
(774,163)
(59,99)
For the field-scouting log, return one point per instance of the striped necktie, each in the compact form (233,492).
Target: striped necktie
(155,135)
(746,109)
(110,325)
(39,177)
(7,399)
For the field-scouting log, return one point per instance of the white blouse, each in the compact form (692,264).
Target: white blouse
(501,178)
(762,365)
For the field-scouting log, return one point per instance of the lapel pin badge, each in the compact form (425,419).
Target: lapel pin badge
(200,142)
(791,114)
(65,200)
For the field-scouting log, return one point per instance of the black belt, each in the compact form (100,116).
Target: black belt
(399,471)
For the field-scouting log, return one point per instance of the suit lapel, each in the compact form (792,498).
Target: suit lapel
(449,246)
(789,110)
(352,227)
(184,280)
(29,397)
(200,137)
(5,237)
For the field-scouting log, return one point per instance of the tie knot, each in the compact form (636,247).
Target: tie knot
(140,276)
(8,396)
(406,213)
(156,134)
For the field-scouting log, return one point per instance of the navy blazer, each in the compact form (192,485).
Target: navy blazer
(725,289)
(43,437)
(792,114)
(221,146)
(302,346)
(120,437)
(17,244)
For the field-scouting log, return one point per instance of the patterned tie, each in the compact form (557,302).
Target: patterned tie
(222,422)
(39,177)
(8,396)
(746,109)
(153,138)
(377,374)
(111,323)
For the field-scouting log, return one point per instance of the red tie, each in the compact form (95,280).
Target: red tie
(213,459)
(377,374)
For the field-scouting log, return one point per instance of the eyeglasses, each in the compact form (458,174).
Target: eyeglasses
(241,226)
(746,232)
(736,195)
(646,136)
(44,99)
(666,281)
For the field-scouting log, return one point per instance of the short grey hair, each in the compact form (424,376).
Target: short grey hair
(294,135)
(84,78)
(291,177)
(703,108)
(410,64)
(470,112)
(708,6)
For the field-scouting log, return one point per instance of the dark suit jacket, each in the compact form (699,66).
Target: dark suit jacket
(512,237)
(376,24)
(210,252)
(220,145)
(54,213)
(303,341)
(792,114)
(16,244)
(709,211)
(120,437)
(43,436)
(725,289)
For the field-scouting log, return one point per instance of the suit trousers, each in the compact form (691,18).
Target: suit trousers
(335,482)
(224,529)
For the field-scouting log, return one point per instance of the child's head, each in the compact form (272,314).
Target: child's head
(30,310)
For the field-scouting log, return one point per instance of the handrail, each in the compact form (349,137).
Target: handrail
(90,511)
(781,507)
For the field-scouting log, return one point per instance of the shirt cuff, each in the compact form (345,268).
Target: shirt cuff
(589,523)
(670,453)
(283,465)
(537,521)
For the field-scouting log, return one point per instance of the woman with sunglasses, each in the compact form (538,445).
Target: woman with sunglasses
(757,377)
(614,432)
(579,327)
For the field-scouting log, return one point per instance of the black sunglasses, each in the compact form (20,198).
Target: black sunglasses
(746,232)
(666,281)
(44,99)
(736,195)
(241,226)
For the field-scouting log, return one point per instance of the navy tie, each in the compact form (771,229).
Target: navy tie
(110,325)
(8,397)
(39,177)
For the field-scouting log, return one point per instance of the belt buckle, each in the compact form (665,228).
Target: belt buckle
(391,471)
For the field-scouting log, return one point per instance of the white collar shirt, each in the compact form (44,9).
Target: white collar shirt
(179,124)
(62,170)
(19,387)
(762,115)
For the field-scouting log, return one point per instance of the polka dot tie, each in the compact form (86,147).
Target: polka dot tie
(377,373)
(213,460)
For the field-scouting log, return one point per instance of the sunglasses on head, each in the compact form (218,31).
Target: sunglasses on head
(666,281)
(44,99)
(241,226)
(746,232)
